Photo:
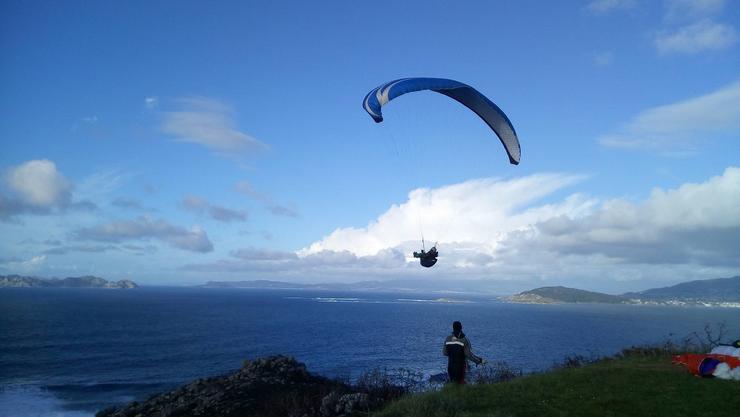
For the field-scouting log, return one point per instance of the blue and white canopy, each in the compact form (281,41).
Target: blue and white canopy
(463,93)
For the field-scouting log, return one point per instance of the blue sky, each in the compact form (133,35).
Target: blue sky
(178,142)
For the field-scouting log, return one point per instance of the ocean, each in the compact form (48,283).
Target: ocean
(71,352)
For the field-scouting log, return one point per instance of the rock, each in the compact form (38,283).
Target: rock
(272,386)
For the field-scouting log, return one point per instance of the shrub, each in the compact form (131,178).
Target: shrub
(494,373)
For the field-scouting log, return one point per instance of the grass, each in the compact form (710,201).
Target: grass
(633,384)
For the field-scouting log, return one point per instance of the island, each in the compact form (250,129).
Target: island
(549,295)
(89,281)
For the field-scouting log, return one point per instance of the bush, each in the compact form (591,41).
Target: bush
(494,373)
(390,384)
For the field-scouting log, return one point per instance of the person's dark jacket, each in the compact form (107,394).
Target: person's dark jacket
(458,351)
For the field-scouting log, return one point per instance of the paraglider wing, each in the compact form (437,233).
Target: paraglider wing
(462,93)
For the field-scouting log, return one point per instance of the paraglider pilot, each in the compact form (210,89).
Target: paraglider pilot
(427,259)
(458,352)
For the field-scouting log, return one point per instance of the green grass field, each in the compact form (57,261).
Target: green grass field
(636,385)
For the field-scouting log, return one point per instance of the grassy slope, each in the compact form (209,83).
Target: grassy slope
(633,386)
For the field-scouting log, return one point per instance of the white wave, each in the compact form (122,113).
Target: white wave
(32,401)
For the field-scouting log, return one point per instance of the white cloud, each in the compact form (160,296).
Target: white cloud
(704,35)
(694,224)
(39,184)
(144,228)
(480,210)
(677,127)
(496,230)
(607,6)
(209,123)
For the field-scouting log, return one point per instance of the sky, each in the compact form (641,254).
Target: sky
(175,143)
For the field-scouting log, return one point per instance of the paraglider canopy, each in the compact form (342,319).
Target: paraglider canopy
(463,93)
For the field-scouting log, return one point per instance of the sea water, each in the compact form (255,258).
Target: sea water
(71,352)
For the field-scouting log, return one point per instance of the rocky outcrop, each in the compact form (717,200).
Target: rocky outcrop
(272,386)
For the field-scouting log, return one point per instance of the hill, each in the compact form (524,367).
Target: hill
(89,281)
(627,386)
(548,295)
(717,290)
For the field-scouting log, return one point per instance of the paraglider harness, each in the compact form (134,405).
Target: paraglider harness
(427,259)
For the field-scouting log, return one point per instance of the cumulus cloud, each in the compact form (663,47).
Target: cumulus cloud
(704,35)
(36,187)
(244,187)
(209,123)
(607,6)
(145,228)
(203,207)
(679,126)
(476,210)
(39,184)
(694,224)
(502,232)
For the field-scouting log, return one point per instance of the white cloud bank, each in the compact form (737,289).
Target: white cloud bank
(501,232)
(678,127)
(480,210)
(696,224)
(209,123)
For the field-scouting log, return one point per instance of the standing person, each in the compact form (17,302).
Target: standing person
(458,352)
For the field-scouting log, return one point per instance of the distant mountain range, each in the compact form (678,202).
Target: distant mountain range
(69,282)
(391,285)
(711,292)
(723,291)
